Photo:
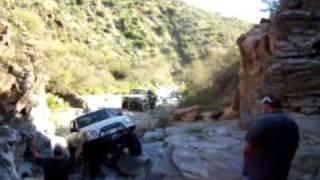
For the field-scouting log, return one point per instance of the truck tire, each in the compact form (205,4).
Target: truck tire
(142,107)
(134,145)
(124,105)
(152,105)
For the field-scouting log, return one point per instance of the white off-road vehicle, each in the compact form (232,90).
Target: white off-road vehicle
(106,132)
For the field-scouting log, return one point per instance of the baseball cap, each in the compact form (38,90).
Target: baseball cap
(272,101)
(266,100)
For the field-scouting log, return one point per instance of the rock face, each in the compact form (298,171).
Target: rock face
(9,144)
(255,50)
(281,57)
(16,86)
(15,92)
(17,100)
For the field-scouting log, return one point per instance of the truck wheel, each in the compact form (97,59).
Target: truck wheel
(152,105)
(142,107)
(134,145)
(124,105)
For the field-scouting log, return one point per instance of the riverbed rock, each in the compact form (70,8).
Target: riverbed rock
(153,136)
(187,114)
(73,99)
(210,115)
(306,165)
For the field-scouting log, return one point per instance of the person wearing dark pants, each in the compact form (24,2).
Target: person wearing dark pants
(91,157)
(271,143)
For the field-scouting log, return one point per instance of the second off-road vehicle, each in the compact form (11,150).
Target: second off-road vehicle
(139,99)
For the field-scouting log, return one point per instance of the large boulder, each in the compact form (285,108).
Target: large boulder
(280,57)
(187,114)
(16,86)
(15,83)
(306,164)
(72,98)
(256,50)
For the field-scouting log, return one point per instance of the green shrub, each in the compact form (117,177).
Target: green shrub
(211,83)
(139,44)
(101,13)
(30,20)
(56,103)
(108,3)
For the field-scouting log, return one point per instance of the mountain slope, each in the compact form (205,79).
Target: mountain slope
(108,45)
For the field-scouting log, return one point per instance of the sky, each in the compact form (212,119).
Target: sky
(247,10)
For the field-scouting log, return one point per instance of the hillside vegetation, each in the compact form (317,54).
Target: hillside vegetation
(92,46)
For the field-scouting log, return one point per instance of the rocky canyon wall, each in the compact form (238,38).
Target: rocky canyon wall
(16,87)
(281,56)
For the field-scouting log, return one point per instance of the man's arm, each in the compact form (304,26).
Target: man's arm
(254,140)
(249,149)
(255,137)
(37,157)
(34,151)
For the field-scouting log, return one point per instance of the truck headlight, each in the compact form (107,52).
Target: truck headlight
(92,135)
(128,121)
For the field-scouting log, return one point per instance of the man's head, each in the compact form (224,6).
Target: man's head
(270,104)
(58,151)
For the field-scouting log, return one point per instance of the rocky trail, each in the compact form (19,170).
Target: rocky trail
(207,150)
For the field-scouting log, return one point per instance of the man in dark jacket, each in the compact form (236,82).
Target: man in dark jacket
(270,144)
(56,167)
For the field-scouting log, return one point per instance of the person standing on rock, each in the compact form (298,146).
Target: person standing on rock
(271,143)
(56,167)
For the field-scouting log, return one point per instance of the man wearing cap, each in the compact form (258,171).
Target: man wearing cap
(271,143)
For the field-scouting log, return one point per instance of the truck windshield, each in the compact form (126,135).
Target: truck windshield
(138,91)
(93,118)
